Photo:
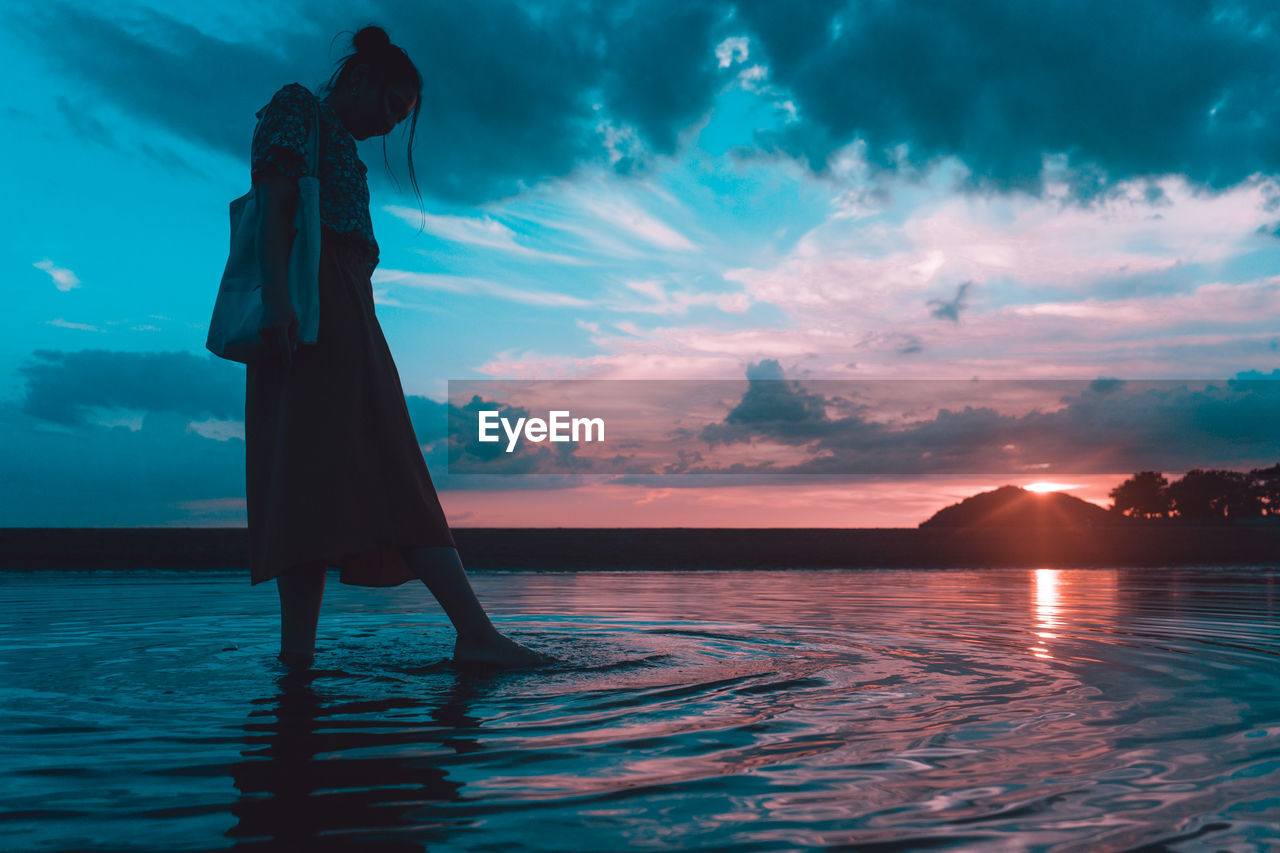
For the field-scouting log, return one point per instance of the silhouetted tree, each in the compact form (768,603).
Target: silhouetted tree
(1266,484)
(1197,494)
(1244,500)
(1144,495)
(1214,494)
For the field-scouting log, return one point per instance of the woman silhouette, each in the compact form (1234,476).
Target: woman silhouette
(334,472)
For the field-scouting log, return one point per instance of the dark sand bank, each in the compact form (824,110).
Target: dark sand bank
(701,548)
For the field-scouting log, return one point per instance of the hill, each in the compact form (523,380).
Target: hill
(1012,506)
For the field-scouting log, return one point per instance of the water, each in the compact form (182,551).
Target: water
(878,710)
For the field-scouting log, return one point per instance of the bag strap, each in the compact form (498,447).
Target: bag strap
(314,147)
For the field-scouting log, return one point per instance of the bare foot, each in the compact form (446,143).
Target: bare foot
(497,651)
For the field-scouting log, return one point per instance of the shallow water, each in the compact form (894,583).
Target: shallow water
(882,710)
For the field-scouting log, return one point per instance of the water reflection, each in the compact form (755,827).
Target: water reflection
(718,710)
(1065,604)
(1046,604)
(323,771)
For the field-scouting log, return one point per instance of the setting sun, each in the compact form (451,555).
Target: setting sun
(1046,487)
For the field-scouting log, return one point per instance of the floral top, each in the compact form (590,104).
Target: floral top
(280,148)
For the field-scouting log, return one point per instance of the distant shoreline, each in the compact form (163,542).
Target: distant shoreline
(541,549)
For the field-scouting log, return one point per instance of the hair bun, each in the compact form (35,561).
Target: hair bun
(371,40)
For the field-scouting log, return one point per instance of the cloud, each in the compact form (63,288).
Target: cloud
(218,430)
(145,64)
(486,232)
(1147,87)
(950,309)
(67,324)
(1105,385)
(609,221)
(907,344)
(731,50)
(116,438)
(509,87)
(63,278)
(753,80)
(159,473)
(660,69)
(380,297)
(770,402)
(521,92)
(80,118)
(666,301)
(1120,244)
(462,284)
(1212,330)
(1087,427)
(629,217)
(62,386)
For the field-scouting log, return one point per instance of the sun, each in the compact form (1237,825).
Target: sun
(1044,486)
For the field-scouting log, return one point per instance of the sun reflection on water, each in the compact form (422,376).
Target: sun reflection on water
(1047,608)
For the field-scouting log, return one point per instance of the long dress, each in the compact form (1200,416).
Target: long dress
(334,474)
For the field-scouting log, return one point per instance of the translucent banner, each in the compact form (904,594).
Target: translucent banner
(807,428)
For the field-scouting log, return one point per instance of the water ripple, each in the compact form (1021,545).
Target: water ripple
(977,710)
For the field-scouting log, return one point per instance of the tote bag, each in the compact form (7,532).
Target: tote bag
(238,310)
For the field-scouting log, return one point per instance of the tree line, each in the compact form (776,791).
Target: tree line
(1200,494)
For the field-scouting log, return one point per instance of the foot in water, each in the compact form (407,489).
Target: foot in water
(296,661)
(495,650)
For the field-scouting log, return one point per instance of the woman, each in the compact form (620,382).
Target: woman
(334,472)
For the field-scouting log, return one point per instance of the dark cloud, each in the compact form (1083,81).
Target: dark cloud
(80,118)
(949,309)
(686,461)
(773,402)
(1146,87)
(430,418)
(1123,89)
(61,468)
(908,344)
(505,94)
(660,66)
(169,160)
(1102,426)
(510,88)
(175,388)
(1105,385)
(200,87)
(765,369)
(61,385)
(103,476)
(1155,196)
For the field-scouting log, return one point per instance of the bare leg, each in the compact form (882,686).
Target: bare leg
(301,589)
(478,641)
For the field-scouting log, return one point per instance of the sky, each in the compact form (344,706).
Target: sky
(757,192)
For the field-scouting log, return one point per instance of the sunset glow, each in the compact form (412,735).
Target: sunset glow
(1045,486)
